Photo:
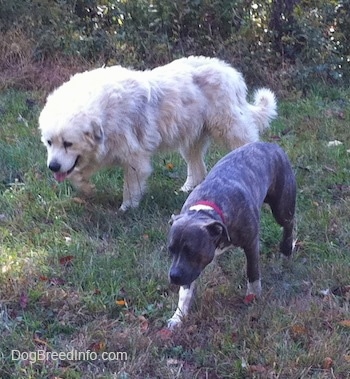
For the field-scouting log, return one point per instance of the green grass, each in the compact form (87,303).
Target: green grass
(65,261)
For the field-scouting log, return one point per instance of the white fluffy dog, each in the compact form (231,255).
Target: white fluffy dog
(117,116)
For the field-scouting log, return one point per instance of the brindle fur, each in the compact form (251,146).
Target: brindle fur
(238,184)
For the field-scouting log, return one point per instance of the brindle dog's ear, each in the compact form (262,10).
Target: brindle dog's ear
(173,218)
(217,230)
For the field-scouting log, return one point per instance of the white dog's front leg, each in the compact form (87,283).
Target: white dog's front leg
(83,184)
(185,300)
(196,170)
(135,177)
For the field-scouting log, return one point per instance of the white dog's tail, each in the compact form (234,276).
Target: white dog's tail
(264,108)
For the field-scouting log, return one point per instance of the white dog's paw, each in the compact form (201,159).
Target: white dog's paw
(187,187)
(85,188)
(123,208)
(126,205)
(174,323)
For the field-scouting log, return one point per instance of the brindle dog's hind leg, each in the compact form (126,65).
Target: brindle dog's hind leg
(283,209)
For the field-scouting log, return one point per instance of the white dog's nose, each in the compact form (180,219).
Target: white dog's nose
(54,166)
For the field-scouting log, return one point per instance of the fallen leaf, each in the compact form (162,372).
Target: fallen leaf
(67,260)
(260,369)
(249,298)
(43,278)
(298,332)
(345,323)
(121,303)
(144,324)
(23,300)
(78,200)
(40,341)
(164,334)
(234,337)
(299,329)
(327,363)
(38,338)
(97,346)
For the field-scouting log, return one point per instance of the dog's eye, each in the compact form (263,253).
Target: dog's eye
(49,142)
(67,144)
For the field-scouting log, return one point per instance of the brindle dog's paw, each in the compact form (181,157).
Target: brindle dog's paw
(286,262)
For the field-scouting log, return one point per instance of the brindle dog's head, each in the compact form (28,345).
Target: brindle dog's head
(192,240)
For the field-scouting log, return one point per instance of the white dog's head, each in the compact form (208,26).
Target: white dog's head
(72,144)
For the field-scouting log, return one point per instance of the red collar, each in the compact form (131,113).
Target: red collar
(212,205)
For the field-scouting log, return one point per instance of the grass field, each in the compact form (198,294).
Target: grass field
(77,277)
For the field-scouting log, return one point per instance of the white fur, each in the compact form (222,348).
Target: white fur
(185,299)
(254,288)
(200,207)
(118,116)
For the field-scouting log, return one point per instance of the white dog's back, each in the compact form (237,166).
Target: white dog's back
(124,116)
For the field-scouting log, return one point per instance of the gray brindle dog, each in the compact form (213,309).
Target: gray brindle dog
(224,211)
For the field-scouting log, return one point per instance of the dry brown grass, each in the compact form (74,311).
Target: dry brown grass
(19,69)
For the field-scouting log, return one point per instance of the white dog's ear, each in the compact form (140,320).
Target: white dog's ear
(95,134)
(97,131)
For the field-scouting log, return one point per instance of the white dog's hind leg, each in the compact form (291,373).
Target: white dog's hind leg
(135,177)
(185,300)
(196,170)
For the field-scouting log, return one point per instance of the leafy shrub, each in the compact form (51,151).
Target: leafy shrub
(287,44)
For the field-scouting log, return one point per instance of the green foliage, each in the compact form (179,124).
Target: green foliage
(289,44)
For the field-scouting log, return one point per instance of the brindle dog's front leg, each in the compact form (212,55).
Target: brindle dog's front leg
(253,268)
(186,294)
